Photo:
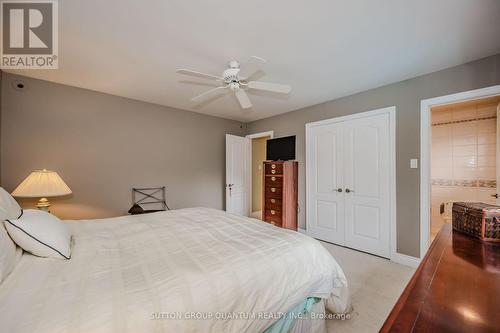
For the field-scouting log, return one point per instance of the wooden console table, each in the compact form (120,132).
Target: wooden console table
(456,288)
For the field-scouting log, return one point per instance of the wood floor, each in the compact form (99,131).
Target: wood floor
(375,285)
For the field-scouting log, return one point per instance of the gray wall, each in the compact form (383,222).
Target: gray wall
(1,74)
(406,96)
(103,145)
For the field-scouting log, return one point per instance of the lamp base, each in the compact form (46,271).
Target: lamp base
(43,204)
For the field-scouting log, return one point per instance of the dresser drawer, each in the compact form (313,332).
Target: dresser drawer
(273,203)
(273,181)
(273,168)
(273,213)
(273,220)
(273,192)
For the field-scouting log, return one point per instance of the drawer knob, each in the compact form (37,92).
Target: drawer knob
(273,212)
(273,166)
(273,189)
(273,171)
(273,200)
(273,178)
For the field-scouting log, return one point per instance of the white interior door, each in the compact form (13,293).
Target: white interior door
(325,204)
(237,185)
(367,184)
(498,154)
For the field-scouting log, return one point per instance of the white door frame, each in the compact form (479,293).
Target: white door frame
(260,135)
(250,160)
(392,164)
(497,201)
(425,148)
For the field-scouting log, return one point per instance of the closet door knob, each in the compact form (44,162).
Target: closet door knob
(339,190)
(348,190)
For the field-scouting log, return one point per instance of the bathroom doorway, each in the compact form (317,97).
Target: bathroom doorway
(463,156)
(258,156)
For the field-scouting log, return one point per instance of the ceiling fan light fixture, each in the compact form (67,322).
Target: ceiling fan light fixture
(233,79)
(233,64)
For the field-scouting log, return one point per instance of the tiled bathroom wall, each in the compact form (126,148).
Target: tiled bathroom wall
(463,152)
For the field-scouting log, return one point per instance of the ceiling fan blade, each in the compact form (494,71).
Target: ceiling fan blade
(198,74)
(251,67)
(207,94)
(274,87)
(242,97)
(210,84)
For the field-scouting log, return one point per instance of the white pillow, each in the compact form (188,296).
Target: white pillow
(9,252)
(41,234)
(9,208)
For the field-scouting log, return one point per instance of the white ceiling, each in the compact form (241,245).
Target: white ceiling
(324,48)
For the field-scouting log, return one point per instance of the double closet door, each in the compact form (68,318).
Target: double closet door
(349,182)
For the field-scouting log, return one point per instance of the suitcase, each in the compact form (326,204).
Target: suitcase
(477,219)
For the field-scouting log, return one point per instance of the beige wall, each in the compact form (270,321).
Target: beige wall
(103,145)
(406,96)
(258,156)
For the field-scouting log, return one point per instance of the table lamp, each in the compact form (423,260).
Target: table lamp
(42,184)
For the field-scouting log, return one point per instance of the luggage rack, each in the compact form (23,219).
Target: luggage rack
(148,196)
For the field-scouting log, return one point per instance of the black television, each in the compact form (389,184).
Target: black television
(281,149)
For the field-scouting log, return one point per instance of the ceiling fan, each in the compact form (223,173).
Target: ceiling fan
(237,80)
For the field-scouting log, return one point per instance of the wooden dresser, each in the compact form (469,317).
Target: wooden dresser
(279,193)
(456,288)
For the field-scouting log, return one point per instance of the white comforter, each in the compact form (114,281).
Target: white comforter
(148,273)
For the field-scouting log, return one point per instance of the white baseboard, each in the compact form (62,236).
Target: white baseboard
(396,257)
(406,260)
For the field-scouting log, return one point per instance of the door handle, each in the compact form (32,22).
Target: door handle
(348,190)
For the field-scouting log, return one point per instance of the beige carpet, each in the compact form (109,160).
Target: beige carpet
(375,285)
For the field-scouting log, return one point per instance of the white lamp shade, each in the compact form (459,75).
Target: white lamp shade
(42,184)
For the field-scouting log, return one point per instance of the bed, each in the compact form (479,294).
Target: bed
(187,270)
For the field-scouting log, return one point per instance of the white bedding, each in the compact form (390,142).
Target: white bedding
(127,270)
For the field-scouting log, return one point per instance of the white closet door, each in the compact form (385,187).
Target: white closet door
(367,183)
(325,205)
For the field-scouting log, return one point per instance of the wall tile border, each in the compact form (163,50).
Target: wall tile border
(462,121)
(488,183)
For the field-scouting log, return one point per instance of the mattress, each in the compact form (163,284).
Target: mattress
(188,270)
